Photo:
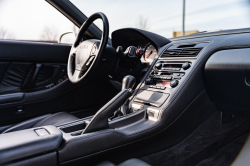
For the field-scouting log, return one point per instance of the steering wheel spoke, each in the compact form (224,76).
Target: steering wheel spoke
(76,75)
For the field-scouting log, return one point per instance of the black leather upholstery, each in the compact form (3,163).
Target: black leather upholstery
(24,144)
(56,119)
(129,162)
(19,76)
(48,119)
(14,76)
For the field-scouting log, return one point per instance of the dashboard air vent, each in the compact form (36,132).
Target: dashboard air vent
(174,52)
(190,52)
(185,52)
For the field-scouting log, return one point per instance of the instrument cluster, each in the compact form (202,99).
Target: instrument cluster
(149,55)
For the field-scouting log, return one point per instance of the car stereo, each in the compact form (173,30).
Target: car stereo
(166,75)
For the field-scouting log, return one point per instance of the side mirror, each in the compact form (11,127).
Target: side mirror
(67,38)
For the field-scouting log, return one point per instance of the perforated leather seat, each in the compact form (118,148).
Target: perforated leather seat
(130,162)
(48,119)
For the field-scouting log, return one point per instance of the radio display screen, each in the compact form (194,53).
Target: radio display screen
(163,83)
(172,65)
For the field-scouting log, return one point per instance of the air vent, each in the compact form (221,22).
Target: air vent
(186,52)
(174,52)
(190,52)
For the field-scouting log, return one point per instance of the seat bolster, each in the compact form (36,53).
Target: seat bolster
(25,124)
(105,163)
(133,161)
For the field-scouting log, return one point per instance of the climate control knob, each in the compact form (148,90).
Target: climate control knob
(186,66)
(158,65)
(174,83)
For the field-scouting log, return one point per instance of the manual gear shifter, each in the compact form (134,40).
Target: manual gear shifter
(100,120)
(127,82)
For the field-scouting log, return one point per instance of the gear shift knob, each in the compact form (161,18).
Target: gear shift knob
(128,82)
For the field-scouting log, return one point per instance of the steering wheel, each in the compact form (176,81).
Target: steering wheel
(85,55)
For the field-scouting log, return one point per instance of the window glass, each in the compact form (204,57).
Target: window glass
(164,17)
(34,20)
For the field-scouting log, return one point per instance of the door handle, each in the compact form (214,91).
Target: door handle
(34,76)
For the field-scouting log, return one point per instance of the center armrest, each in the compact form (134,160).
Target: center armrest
(29,142)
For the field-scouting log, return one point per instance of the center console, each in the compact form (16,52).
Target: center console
(148,102)
(164,78)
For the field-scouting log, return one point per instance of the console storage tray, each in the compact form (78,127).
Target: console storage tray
(152,98)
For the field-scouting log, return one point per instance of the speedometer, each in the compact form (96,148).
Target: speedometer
(150,53)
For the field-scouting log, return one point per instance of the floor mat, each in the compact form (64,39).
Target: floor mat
(201,144)
(226,155)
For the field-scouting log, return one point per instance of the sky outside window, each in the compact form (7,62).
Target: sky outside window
(27,19)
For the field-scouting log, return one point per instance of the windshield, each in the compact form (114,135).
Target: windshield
(164,17)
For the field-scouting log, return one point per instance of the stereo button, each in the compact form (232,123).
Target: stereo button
(176,77)
(158,66)
(168,77)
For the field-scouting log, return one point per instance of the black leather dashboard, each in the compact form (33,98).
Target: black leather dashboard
(182,110)
(227,80)
(187,106)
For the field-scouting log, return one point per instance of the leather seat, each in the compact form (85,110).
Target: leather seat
(130,162)
(48,119)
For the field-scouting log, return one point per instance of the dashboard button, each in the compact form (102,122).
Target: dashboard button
(169,77)
(148,81)
(158,65)
(176,77)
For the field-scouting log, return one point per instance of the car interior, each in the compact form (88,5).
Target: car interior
(136,98)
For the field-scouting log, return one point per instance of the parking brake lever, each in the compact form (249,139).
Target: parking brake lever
(100,120)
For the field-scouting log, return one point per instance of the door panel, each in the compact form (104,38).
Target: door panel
(15,76)
(33,78)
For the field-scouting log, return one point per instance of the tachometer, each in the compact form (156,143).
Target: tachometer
(150,53)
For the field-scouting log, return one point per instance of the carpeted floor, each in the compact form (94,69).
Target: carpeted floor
(212,143)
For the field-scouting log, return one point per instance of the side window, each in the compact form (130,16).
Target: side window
(32,20)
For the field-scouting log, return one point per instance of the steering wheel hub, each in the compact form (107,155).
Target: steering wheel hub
(85,55)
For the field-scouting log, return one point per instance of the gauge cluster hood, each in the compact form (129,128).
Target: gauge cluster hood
(131,36)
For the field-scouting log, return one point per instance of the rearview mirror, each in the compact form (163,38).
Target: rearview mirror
(67,38)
